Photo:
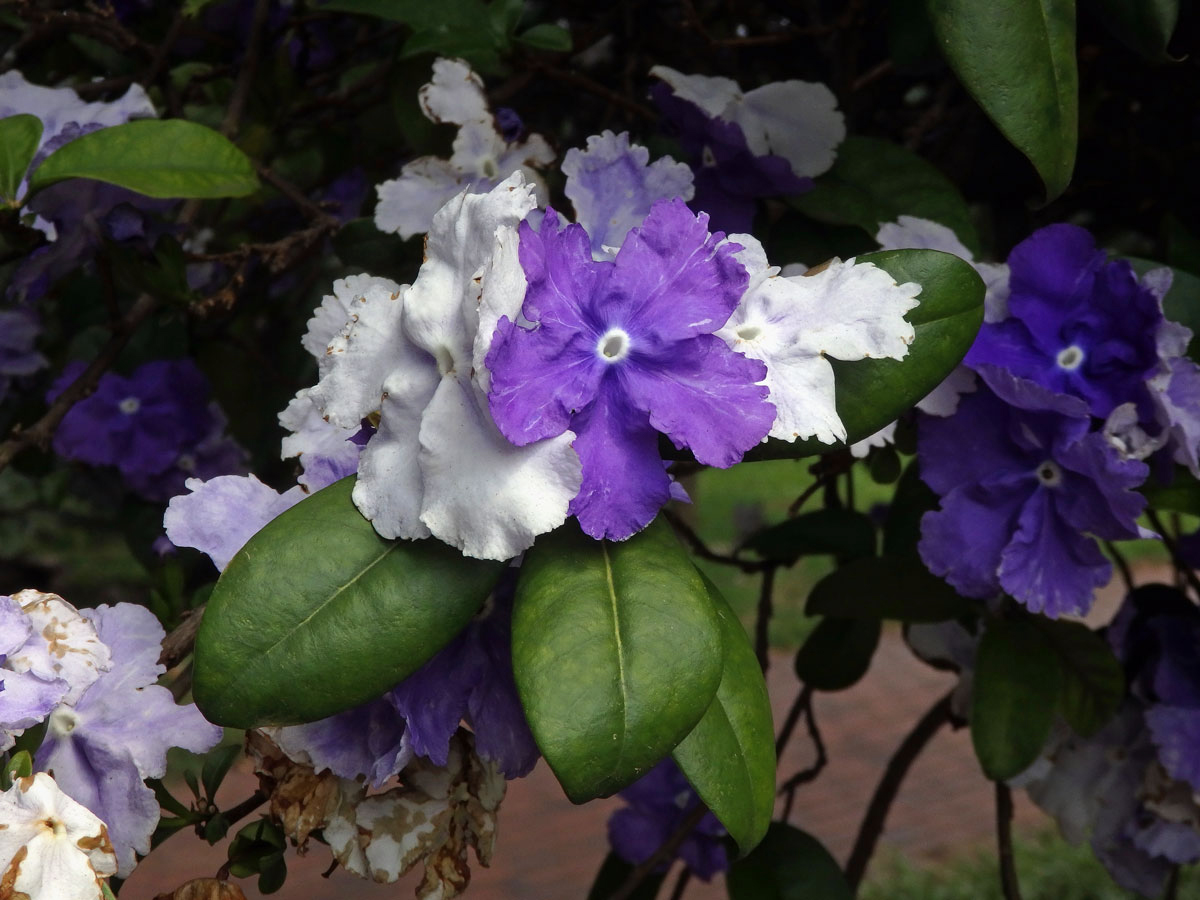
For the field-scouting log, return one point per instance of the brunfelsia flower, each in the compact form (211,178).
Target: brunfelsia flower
(659,802)
(1077,324)
(482,156)
(620,351)
(102,746)
(767,142)
(1023,482)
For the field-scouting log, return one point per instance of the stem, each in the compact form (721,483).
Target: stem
(804,776)
(889,786)
(681,883)
(1172,889)
(762,623)
(1173,549)
(702,549)
(665,851)
(803,704)
(247,806)
(1122,564)
(1008,866)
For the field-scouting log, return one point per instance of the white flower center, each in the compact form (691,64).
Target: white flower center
(62,721)
(445,361)
(1049,474)
(129,405)
(489,168)
(613,345)
(187,462)
(1070,358)
(749,332)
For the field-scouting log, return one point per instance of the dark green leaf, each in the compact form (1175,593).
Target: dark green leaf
(1017,59)
(168,801)
(547,37)
(612,875)
(317,614)
(845,533)
(617,654)
(729,757)
(887,588)
(911,500)
(1145,26)
(273,873)
(884,464)
(871,393)
(1181,495)
(216,767)
(837,653)
(20,765)
(1093,683)
(216,828)
(788,865)
(875,181)
(158,158)
(19,137)
(1018,677)
(189,778)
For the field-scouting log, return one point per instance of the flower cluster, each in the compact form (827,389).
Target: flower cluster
(90,677)
(1081,378)
(156,426)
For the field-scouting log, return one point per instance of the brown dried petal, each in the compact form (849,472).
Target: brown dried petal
(205,889)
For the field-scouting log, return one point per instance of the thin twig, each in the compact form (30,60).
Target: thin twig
(889,786)
(1173,549)
(1171,892)
(241,90)
(804,776)
(681,883)
(666,850)
(595,87)
(1122,564)
(762,621)
(247,806)
(1008,866)
(701,549)
(802,704)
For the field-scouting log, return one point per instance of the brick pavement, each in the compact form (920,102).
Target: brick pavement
(549,849)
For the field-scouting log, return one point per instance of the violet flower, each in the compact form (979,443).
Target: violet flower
(620,351)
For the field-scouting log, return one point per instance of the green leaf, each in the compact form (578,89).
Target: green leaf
(617,654)
(837,653)
(887,587)
(845,533)
(1181,495)
(1145,26)
(547,37)
(318,613)
(1017,59)
(871,393)
(911,500)
(19,137)
(612,875)
(216,767)
(729,757)
(168,801)
(19,765)
(159,158)
(875,181)
(1093,682)
(788,865)
(1018,676)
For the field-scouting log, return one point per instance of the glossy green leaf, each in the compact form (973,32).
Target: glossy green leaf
(1093,682)
(729,757)
(612,875)
(1017,59)
(1018,676)
(871,393)
(845,533)
(875,181)
(1145,26)
(317,614)
(617,654)
(788,865)
(19,137)
(1181,495)
(887,587)
(547,36)
(838,653)
(216,766)
(159,158)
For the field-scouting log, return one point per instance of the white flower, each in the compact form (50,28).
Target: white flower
(51,848)
(481,157)
(438,465)
(845,310)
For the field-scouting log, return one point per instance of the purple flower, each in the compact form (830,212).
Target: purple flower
(103,746)
(659,802)
(1077,324)
(142,424)
(622,350)
(1021,479)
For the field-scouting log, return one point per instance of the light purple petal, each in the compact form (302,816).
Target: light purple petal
(1175,731)
(370,740)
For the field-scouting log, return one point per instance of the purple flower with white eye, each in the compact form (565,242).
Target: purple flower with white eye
(659,802)
(216,454)
(140,423)
(1022,482)
(18,330)
(102,746)
(1077,324)
(767,142)
(620,351)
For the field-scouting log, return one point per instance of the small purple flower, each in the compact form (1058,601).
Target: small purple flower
(622,350)
(1021,480)
(659,802)
(1077,323)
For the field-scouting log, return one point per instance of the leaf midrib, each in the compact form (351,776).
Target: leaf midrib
(620,646)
